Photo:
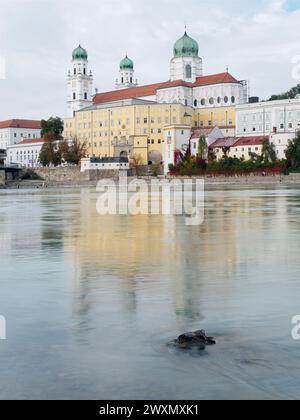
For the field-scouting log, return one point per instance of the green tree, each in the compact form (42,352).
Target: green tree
(293,153)
(268,152)
(55,126)
(291,94)
(202,148)
(50,152)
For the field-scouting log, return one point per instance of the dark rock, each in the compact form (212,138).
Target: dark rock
(197,339)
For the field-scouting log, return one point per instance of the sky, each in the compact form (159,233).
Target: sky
(257,40)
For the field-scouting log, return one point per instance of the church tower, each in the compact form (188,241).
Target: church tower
(126,79)
(186,64)
(80,82)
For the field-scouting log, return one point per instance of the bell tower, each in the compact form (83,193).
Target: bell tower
(80,82)
(126,78)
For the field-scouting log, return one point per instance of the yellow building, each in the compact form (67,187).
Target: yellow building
(135,127)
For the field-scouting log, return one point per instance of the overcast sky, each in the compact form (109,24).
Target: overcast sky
(256,39)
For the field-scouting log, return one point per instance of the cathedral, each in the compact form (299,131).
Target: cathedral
(187,85)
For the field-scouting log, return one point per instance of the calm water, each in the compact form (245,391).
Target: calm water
(90,301)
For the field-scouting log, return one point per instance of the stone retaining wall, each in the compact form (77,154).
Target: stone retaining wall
(73,175)
(2,179)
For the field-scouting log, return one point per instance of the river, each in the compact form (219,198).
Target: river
(90,301)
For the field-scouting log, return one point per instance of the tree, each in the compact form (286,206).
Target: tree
(202,148)
(75,151)
(225,150)
(291,94)
(50,152)
(293,153)
(268,152)
(55,126)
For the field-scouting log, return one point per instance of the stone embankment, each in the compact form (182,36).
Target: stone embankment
(72,177)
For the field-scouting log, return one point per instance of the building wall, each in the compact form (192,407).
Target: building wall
(178,68)
(281,142)
(10,136)
(137,128)
(264,118)
(87,165)
(220,95)
(239,152)
(216,116)
(26,155)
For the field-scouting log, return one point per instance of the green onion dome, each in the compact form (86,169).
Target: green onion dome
(126,64)
(186,47)
(80,53)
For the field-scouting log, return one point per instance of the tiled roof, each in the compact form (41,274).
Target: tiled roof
(202,131)
(224,142)
(251,141)
(215,79)
(32,141)
(238,141)
(30,124)
(150,90)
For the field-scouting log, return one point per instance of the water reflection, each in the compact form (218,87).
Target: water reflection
(90,298)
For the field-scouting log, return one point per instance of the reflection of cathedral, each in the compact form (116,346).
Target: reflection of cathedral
(143,259)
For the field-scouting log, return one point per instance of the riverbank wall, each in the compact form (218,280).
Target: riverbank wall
(2,179)
(72,177)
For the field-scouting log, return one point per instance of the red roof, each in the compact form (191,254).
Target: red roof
(224,142)
(32,141)
(31,124)
(215,79)
(239,141)
(251,141)
(202,131)
(150,90)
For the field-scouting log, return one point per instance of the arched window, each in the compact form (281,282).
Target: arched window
(233,99)
(211,101)
(122,80)
(84,70)
(131,80)
(74,71)
(85,96)
(226,99)
(74,96)
(188,71)
(219,100)
(195,103)
(203,102)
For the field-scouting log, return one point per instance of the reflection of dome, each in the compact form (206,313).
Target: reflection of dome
(186,47)
(80,53)
(126,64)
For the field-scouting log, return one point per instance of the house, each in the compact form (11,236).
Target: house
(238,147)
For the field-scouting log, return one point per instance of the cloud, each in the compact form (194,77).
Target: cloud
(257,41)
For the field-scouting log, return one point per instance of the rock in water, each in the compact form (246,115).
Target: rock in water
(197,339)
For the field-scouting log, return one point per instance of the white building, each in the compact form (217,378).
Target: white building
(26,153)
(179,137)
(238,147)
(108,163)
(278,119)
(80,82)
(186,85)
(13,131)
(264,118)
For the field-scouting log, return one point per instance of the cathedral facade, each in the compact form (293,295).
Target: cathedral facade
(132,119)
